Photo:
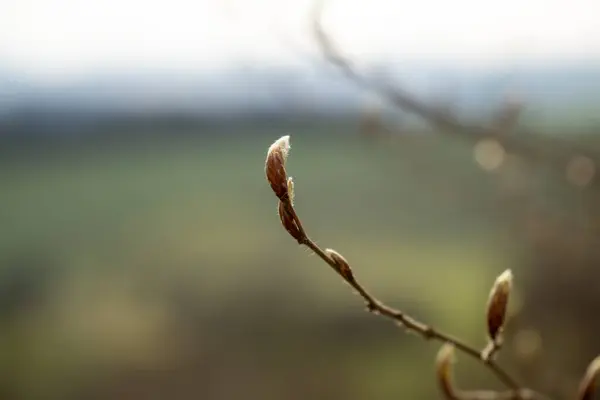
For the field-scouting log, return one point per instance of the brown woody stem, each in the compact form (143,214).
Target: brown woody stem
(375,306)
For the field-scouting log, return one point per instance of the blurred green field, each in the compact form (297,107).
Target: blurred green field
(153,244)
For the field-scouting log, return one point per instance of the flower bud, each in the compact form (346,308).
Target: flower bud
(443,365)
(588,383)
(275,166)
(498,304)
(288,222)
(341,265)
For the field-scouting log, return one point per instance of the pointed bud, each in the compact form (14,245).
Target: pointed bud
(498,304)
(288,222)
(443,366)
(275,166)
(341,265)
(290,186)
(588,383)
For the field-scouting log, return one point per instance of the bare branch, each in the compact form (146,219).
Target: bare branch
(280,185)
(555,152)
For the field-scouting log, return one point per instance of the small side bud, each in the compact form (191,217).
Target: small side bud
(275,166)
(498,304)
(443,368)
(288,222)
(341,265)
(588,383)
(290,186)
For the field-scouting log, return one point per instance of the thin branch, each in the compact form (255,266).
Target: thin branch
(426,331)
(558,153)
(283,188)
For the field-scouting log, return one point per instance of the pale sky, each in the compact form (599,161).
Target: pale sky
(58,38)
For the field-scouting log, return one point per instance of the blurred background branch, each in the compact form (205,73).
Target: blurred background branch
(559,154)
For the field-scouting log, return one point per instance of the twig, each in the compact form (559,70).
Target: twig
(283,188)
(557,153)
(426,331)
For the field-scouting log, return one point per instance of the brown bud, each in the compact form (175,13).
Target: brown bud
(275,167)
(288,222)
(341,265)
(443,366)
(588,383)
(498,304)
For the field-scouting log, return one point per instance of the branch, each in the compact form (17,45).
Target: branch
(427,332)
(283,188)
(559,153)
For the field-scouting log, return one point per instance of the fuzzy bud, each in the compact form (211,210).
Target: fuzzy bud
(275,167)
(588,383)
(290,186)
(288,222)
(498,304)
(443,367)
(341,265)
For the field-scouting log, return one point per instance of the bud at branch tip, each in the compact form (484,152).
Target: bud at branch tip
(275,167)
(498,305)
